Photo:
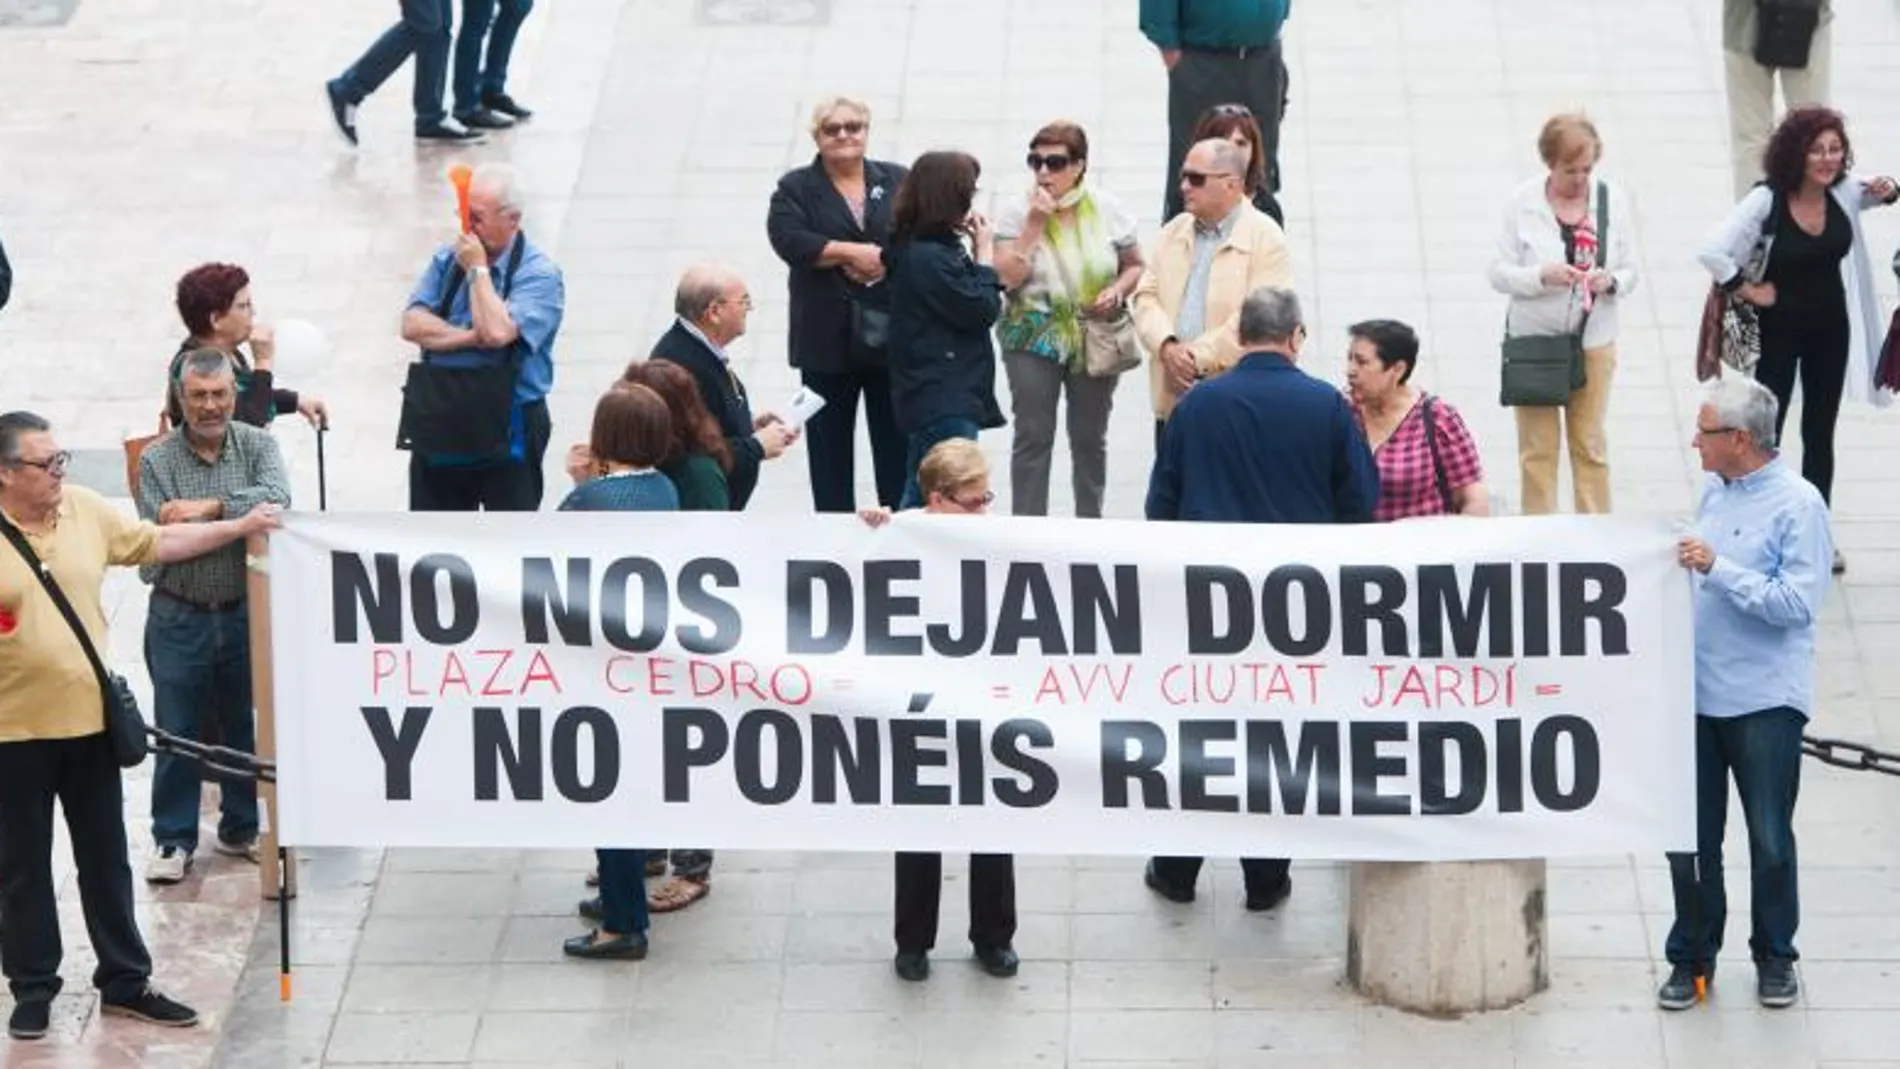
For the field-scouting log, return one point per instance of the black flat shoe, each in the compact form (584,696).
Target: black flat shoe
(484,119)
(589,909)
(912,965)
(1149,876)
(507,105)
(442,132)
(30,1020)
(998,961)
(629,947)
(1262,903)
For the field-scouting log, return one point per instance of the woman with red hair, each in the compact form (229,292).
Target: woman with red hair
(214,300)
(1794,249)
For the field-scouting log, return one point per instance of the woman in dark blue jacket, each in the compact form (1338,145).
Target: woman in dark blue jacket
(943,303)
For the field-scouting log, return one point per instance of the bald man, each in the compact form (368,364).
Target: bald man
(711,306)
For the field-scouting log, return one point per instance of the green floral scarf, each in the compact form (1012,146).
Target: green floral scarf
(1070,267)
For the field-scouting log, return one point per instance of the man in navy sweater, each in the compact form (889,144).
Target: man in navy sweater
(1264,443)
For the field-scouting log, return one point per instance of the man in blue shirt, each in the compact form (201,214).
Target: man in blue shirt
(507,302)
(1760,553)
(1264,443)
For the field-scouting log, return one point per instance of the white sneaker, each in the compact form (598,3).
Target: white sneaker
(167,865)
(246,849)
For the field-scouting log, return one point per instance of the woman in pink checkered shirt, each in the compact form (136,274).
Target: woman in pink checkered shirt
(1428,464)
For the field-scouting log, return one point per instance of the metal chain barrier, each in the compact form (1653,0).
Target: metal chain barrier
(1844,754)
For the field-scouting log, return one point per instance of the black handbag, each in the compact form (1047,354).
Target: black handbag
(870,329)
(462,409)
(1543,370)
(125,724)
(1784,32)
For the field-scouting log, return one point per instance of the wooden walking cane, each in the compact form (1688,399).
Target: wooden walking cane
(277,866)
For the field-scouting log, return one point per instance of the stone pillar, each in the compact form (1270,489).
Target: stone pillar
(1448,937)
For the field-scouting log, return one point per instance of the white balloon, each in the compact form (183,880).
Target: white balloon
(301,349)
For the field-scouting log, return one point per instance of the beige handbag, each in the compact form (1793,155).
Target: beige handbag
(1109,346)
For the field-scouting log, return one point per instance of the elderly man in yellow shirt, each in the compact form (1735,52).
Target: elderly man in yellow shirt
(53,744)
(1206,261)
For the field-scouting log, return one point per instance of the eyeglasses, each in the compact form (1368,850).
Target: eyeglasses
(1705,432)
(834,129)
(1054,164)
(54,465)
(744,302)
(1826,152)
(1197,179)
(975,504)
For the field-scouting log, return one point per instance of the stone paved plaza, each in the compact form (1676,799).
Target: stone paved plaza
(144,136)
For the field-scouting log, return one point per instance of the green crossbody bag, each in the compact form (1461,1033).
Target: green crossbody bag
(1541,370)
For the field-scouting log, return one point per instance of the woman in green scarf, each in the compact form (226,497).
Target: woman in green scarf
(1066,251)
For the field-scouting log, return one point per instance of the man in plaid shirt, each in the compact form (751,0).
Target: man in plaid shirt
(197,632)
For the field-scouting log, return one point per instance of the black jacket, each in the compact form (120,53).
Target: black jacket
(806,213)
(6,277)
(725,396)
(943,362)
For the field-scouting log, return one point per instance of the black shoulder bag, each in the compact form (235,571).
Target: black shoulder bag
(1438,461)
(125,725)
(1543,370)
(462,409)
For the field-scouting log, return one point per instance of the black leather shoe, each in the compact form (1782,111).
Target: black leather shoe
(507,105)
(998,961)
(1775,984)
(1166,890)
(1264,902)
(30,1020)
(152,1008)
(443,132)
(484,119)
(629,947)
(1677,992)
(589,909)
(912,965)
(342,112)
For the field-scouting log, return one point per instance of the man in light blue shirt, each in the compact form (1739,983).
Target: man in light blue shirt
(1761,553)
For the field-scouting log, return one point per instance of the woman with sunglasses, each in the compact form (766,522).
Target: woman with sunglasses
(955,479)
(828,222)
(1236,123)
(1067,251)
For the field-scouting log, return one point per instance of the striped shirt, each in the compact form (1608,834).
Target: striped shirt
(248,472)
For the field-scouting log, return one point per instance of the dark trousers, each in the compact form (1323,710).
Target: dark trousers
(83,776)
(483,72)
(511,487)
(200,663)
(919,445)
(423,33)
(831,438)
(1264,877)
(623,890)
(1763,752)
(1815,347)
(1201,80)
(992,900)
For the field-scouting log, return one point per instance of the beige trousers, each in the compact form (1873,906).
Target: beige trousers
(1540,431)
(1751,100)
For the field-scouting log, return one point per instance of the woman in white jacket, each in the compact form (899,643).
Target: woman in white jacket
(1547,272)
(1815,296)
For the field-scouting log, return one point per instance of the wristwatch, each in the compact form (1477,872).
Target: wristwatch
(481,270)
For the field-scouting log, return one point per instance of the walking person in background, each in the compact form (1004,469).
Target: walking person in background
(481,73)
(632,435)
(1236,123)
(1820,320)
(1800,41)
(1428,463)
(1564,267)
(215,303)
(829,221)
(954,480)
(424,34)
(943,303)
(1067,251)
(1220,52)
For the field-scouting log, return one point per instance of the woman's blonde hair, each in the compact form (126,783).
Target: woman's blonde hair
(1564,135)
(823,109)
(951,466)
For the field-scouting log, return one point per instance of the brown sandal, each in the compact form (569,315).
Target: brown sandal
(678,893)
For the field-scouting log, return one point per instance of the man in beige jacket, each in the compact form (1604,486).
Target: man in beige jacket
(1206,261)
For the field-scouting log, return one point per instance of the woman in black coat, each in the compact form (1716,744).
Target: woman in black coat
(828,222)
(944,302)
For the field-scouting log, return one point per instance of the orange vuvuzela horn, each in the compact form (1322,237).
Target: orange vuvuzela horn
(459,176)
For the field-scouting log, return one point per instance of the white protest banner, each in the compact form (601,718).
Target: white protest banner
(1431,690)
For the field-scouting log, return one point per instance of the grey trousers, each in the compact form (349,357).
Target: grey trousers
(1036,385)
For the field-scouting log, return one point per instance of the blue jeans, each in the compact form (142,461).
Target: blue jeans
(423,33)
(200,663)
(623,890)
(475,79)
(1763,752)
(919,446)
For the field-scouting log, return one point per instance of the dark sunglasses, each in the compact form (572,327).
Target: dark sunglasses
(833,129)
(1055,164)
(1197,179)
(1231,111)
